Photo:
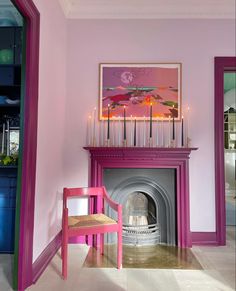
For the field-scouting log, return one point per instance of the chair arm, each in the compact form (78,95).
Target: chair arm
(109,201)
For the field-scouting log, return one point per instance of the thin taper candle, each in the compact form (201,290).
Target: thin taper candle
(173,131)
(144,131)
(124,124)
(94,125)
(135,121)
(182,131)
(108,121)
(150,133)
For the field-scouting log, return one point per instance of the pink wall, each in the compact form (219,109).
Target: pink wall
(194,43)
(51,122)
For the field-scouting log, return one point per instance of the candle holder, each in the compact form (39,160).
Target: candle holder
(124,143)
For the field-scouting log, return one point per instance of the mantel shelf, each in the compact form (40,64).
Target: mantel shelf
(140,152)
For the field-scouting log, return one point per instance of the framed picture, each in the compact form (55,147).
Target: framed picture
(139,86)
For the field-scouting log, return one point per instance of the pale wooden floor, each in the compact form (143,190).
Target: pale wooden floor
(218,273)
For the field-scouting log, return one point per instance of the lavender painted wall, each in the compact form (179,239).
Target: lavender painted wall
(51,122)
(192,42)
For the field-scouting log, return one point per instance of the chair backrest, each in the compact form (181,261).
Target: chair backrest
(98,192)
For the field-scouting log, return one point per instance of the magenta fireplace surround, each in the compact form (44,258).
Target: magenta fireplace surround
(125,157)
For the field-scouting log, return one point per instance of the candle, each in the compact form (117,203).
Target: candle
(89,130)
(119,132)
(182,131)
(108,121)
(169,134)
(144,131)
(157,133)
(94,125)
(187,124)
(101,132)
(113,130)
(124,124)
(173,130)
(162,132)
(131,130)
(150,133)
(135,121)
(3,137)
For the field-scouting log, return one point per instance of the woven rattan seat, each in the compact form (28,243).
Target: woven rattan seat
(90,220)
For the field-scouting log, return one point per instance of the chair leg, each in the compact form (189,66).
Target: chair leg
(102,243)
(64,253)
(119,249)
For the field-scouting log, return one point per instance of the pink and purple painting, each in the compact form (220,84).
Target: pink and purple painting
(137,86)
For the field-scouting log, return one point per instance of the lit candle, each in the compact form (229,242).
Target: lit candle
(94,125)
(187,124)
(182,131)
(89,129)
(135,121)
(173,130)
(108,121)
(124,124)
(150,133)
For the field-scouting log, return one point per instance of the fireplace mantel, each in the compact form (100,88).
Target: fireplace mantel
(143,153)
(149,157)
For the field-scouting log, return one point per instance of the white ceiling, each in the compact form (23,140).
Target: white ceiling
(148,9)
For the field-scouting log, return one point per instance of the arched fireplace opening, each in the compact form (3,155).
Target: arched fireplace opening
(140,220)
(148,197)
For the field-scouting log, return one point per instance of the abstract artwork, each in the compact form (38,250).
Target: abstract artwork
(137,86)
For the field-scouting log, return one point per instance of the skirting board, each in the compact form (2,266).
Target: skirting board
(204,238)
(198,238)
(45,257)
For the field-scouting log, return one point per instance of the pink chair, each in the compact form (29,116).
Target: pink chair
(92,224)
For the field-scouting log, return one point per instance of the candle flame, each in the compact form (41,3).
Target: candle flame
(90,116)
(108,105)
(95,108)
(182,117)
(151,103)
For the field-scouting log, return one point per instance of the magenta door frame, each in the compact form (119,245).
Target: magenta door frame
(222,64)
(177,158)
(29,148)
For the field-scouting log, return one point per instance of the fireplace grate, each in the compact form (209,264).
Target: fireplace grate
(141,234)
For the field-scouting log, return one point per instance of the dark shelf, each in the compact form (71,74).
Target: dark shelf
(9,167)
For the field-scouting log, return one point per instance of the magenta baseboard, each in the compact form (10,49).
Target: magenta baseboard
(204,238)
(45,257)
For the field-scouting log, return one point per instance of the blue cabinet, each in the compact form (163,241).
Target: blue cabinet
(8,182)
